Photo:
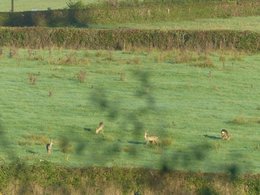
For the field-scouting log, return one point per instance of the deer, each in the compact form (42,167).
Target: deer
(100,128)
(224,134)
(49,147)
(151,139)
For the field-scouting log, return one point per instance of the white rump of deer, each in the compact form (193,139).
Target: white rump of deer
(151,139)
(100,128)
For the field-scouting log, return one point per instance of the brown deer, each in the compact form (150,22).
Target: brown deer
(100,128)
(224,134)
(49,147)
(151,139)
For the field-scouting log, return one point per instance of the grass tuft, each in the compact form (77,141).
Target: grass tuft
(13,52)
(135,61)
(241,120)
(166,142)
(184,57)
(204,64)
(32,78)
(81,76)
(33,140)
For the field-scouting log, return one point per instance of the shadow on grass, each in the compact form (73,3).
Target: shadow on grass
(31,152)
(212,136)
(136,142)
(87,129)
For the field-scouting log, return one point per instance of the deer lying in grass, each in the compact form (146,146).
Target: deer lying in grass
(224,134)
(151,139)
(49,147)
(100,128)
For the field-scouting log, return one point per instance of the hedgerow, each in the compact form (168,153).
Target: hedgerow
(121,39)
(48,178)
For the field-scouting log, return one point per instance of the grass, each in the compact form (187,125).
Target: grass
(249,23)
(150,15)
(131,91)
(27,5)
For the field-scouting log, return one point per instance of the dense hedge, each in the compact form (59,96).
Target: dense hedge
(47,178)
(119,39)
(49,18)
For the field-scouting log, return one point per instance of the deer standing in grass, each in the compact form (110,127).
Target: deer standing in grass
(151,139)
(100,128)
(49,147)
(224,134)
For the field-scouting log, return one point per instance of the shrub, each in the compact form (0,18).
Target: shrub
(204,64)
(39,19)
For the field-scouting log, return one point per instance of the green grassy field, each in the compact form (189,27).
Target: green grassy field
(183,97)
(249,23)
(202,16)
(27,5)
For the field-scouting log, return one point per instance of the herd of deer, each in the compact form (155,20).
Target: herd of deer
(150,139)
